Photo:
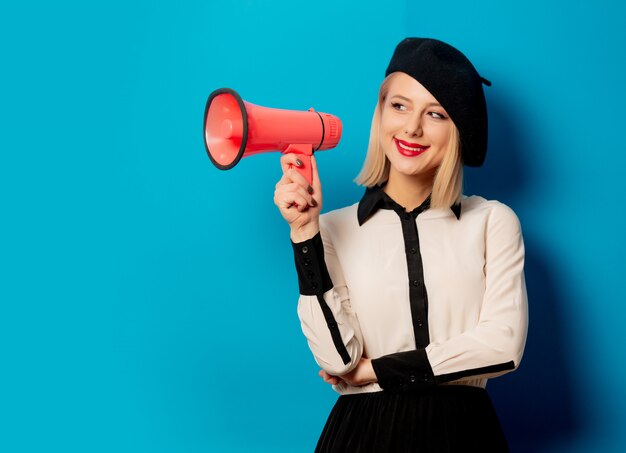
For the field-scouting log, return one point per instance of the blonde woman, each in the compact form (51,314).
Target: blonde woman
(412,298)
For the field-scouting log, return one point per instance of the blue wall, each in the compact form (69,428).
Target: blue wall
(147,300)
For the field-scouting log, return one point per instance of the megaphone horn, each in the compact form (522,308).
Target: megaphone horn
(234,129)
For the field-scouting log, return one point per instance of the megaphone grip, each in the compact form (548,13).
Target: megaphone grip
(304,152)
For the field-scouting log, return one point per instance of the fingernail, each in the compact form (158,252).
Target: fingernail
(313,202)
(298,162)
(310,190)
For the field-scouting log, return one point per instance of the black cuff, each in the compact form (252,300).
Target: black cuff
(313,277)
(404,371)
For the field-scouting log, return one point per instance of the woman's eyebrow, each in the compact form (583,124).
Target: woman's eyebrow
(430,104)
(401,97)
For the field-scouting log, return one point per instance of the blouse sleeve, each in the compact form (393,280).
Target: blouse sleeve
(329,325)
(495,344)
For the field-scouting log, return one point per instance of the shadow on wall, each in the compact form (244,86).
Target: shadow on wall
(503,175)
(536,403)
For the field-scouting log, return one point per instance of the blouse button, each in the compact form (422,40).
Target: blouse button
(305,249)
(412,378)
(420,323)
(413,250)
(416,283)
(307,261)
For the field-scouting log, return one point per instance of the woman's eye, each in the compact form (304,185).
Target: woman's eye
(437,115)
(398,106)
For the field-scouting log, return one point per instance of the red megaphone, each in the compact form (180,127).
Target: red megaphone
(234,129)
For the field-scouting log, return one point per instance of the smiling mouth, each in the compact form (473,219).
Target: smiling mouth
(410,149)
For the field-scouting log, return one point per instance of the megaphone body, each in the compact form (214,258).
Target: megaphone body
(234,129)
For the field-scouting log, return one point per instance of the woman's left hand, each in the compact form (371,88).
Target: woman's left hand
(362,374)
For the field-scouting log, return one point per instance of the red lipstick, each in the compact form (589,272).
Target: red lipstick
(409,149)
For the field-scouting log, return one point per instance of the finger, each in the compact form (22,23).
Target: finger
(283,203)
(291,159)
(287,196)
(295,201)
(298,178)
(296,188)
(329,378)
(284,180)
(304,193)
(287,189)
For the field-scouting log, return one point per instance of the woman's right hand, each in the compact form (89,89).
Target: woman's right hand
(362,374)
(298,202)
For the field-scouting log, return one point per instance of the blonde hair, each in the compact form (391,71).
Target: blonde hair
(448,182)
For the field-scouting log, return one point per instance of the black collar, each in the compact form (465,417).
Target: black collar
(375,198)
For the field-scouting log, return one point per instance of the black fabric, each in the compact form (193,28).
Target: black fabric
(410,370)
(313,276)
(334,330)
(404,371)
(456,210)
(314,280)
(418,297)
(397,372)
(452,79)
(375,198)
(441,419)
(507,366)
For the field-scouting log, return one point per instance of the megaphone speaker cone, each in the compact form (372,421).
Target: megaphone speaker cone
(225,128)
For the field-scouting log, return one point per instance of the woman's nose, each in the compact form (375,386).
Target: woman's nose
(413,126)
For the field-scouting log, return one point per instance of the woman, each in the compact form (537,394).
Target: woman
(413,297)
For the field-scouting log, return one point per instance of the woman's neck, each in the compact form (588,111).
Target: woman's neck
(409,191)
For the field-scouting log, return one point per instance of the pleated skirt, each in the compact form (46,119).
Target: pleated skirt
(447,418)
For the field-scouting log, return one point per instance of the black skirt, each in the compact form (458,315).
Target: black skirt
(447,418)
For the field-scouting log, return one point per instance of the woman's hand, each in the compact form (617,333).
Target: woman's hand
(362,374)
(299,203)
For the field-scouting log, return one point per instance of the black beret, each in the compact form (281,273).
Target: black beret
(452,79)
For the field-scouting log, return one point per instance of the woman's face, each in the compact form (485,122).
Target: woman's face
(414,128)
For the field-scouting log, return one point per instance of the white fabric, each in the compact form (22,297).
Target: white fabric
(473,272)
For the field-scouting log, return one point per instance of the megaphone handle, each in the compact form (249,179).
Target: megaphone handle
(305,152)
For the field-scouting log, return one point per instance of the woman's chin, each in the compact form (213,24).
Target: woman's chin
(407,170)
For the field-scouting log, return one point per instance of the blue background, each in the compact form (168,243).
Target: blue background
(148,299)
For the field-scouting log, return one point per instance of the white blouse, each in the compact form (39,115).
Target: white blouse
(364,292)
